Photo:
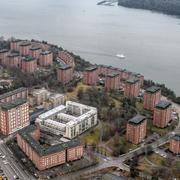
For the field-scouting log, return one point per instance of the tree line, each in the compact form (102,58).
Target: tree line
(171,7)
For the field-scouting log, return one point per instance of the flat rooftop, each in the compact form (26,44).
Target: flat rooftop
(46,52)
(13,55)
(163,105)
(153,89)
(137,119)
(11,105)
(176,137)
(16,40)
(41,150)
(5,95)
(35,48)
(25,43)
(132,80)
(112,75)
(64,67)
(92,68)
(29,58)
(3,50)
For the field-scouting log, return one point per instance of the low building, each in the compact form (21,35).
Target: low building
(132,88)
(175,144)
(14,45)
(152,96)
(90,76)
(65,74)
(57,99)
(162,114)
(35,52)
(20,93)
(29,64)
(69,120)
(45,157)
(14,116)
(13,60)
(136,129)
(112,81)
(24,48)
(46,58)
(40,95)
(3,56)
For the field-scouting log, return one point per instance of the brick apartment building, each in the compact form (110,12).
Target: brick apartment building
(47,157)
(3,56)
(20,93)
(24,48)
(132,88)
(90,76)
(46,58)
(112,81)
(13,60)
(35,52)
(162,114)
(29,64)
(66,58)
(14,116)
(14,45)
(136,129)
(175,144)
(152,96)
(65,74)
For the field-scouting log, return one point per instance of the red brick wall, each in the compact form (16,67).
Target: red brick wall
(175,146)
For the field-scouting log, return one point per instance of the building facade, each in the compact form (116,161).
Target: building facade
(132,88)
(46,58)
(14,45)
(35,52)
(162,114)
(3,56)
(112,81)
(24,48)
(90,76)
(136,129)
(20,93)
(47,157)
(13,60)
(65,74)
(175,144)
(29,64)
(14,116)
(152,97)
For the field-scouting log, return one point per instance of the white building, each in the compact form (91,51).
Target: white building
(69,120)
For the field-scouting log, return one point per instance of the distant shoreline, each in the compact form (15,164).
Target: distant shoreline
(164,7)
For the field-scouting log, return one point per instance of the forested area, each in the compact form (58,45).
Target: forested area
(166,6)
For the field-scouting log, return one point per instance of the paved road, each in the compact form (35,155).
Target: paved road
(12,167)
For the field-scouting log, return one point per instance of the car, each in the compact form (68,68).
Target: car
(16,177)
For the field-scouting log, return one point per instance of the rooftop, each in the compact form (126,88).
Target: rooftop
(132,80)
(137,119)
(13,55)
(5,95)
(16,40)
(35,48)
(64,67)
(92,68)
(3,50)
(46,52)
(25,43)
(11,105)
(163,105)
(29,58)
(112,75)
(176,137)
(41,150)
(153,89)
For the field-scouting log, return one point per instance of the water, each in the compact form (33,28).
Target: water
(150,41)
